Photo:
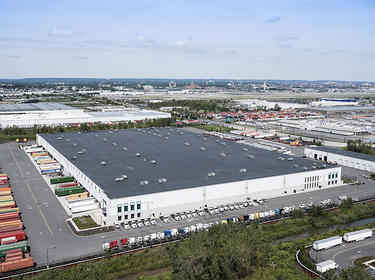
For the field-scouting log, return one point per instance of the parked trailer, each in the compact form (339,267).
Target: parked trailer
(81,202)
(19,245)
(326,265)
(327,243)
(67,185)
(39,154)
(5,192)
(61,180)
(78,196)
(8,204)
(4,175)
(6,198)
(67,191)
(84,208)
(19,234)
(357,235)
(46,162)
(11,228)
(4,186)
(9,240)
(50,171)
(10,223)
(50,166)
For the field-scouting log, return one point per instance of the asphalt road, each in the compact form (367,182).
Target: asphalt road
(48,234)
(346,253)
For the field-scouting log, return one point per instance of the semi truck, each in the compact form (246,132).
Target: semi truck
(357,235)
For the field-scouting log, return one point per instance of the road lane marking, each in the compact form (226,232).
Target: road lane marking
(28,186)
(349,249)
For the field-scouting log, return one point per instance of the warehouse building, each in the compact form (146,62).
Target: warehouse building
(53,114)
(142,173)
(342,157)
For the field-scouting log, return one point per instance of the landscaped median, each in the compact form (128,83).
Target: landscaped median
(86,225)
(85,222)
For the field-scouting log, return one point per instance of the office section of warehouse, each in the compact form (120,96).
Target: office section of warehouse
(141,173)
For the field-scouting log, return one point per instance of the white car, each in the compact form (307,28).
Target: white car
(153,222)
(231,207)
(126,226)
(147,223)
(302,206)
(310,204)
(177,218)
(260,202)
(134,225)
(140,225)
(183,217)
(241,205)
(200,213)
(189,216)
(245,204)
(211,212)
(117,226)
(166,220)
(236,207)
(226,208)
(195,214)
(216,210)
(221,209)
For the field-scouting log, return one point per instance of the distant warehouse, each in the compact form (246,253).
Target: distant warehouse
(342,157)
(140,173)
(53,114)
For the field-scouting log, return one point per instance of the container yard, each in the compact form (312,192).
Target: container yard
(214,163)
(13,247)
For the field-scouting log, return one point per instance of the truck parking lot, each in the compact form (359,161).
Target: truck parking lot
(52,241)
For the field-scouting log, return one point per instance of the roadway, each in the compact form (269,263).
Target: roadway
(48,234)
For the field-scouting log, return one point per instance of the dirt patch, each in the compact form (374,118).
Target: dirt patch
(146,273)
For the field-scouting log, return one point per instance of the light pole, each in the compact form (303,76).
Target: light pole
(47,257)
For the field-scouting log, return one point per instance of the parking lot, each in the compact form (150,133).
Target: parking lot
(51,240)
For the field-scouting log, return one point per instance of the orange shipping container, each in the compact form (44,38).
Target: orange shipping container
(11,223)
(17,264)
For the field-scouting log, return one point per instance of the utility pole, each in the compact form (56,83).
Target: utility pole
(47,257)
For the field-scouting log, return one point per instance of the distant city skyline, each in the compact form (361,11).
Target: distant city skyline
(284,40)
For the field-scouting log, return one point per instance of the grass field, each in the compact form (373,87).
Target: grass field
(85,222)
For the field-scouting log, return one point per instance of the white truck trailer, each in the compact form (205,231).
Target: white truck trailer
(327,243)
(326,265)
(357,235)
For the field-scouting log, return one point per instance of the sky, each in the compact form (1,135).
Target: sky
(229,39)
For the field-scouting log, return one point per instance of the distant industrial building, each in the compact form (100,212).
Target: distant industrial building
(53,114)
(342,110)
(142,173)
(342,157)
(333,102)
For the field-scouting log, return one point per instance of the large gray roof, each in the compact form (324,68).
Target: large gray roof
(20,107)
(344,153)
(178,155)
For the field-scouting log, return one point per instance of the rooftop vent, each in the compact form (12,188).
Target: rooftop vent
(296,165)
(79,132)
(68,140)
(114,144)
(96,135)
(74,144)
(250,156)
(181,133)
(280,158)
(314,166)
(202,148)
(222,154)
(124,149)
(245,149)
(290,159)
(153,161)
(144,183)
(168,133)
(124,176)
(211,174)
(166,137)
(304,168)
(217,141)
(74,157)
(223,143)
(137,154)
(324,165)
(187,144)
(162,180)
(205,139)
(110,132)
(84,150)
(103,163)
(59,138)
(104,139)
(80,152)
(243,170)
(116,130)
(119,179)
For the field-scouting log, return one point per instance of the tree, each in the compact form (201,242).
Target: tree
(315,211)
(346,204)
(298,214)
(354,273)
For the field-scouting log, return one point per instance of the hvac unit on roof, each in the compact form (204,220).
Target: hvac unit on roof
(119,179)
(74,157)
(104,139)
(290,159)
(68,140)
(162,180)
(222,154)
(211,174)
(223,143)
(245,149)
(153,161)
(166,137)
(124,176)
(204,139)
(304,168)
(114,144)
(124,149)
(80,152)
(202,148)
(250,156)
(110,132)
(96,135)
(79,132)
(74,144)
(59,138)
(243,170)
(103,163)
(143,183)
(187,144)
(296,165)
(137,154)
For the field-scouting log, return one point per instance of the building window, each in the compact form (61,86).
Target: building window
(118,218)
(329,182)
(132,216)
(132,206)
(138,205)
(336,182)
(126,216)
(329,176)
(119,208)
(126,207)
(138,215)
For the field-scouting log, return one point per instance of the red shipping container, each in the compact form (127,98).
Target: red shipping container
(14,258)
(19,234)
(69,185)
(13,251)
(9,216)
(17,264)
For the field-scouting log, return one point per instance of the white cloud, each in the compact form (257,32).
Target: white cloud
(180,43)
(65,32)
(273,19)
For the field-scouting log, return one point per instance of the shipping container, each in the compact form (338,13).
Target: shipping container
(67,191)
(67,185)
(78,196)
(8,204)
(50,171)
(4,175)
(61,180)
(4,198)
(326,265)
(16,264)
(9,216)
(357,235)
(8,240)
(39,154)
(10,223)
(49,166)
(19,234)
(4,186)
(19,245)
(327,243)
(9,210)
(11,228)
(5,191)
